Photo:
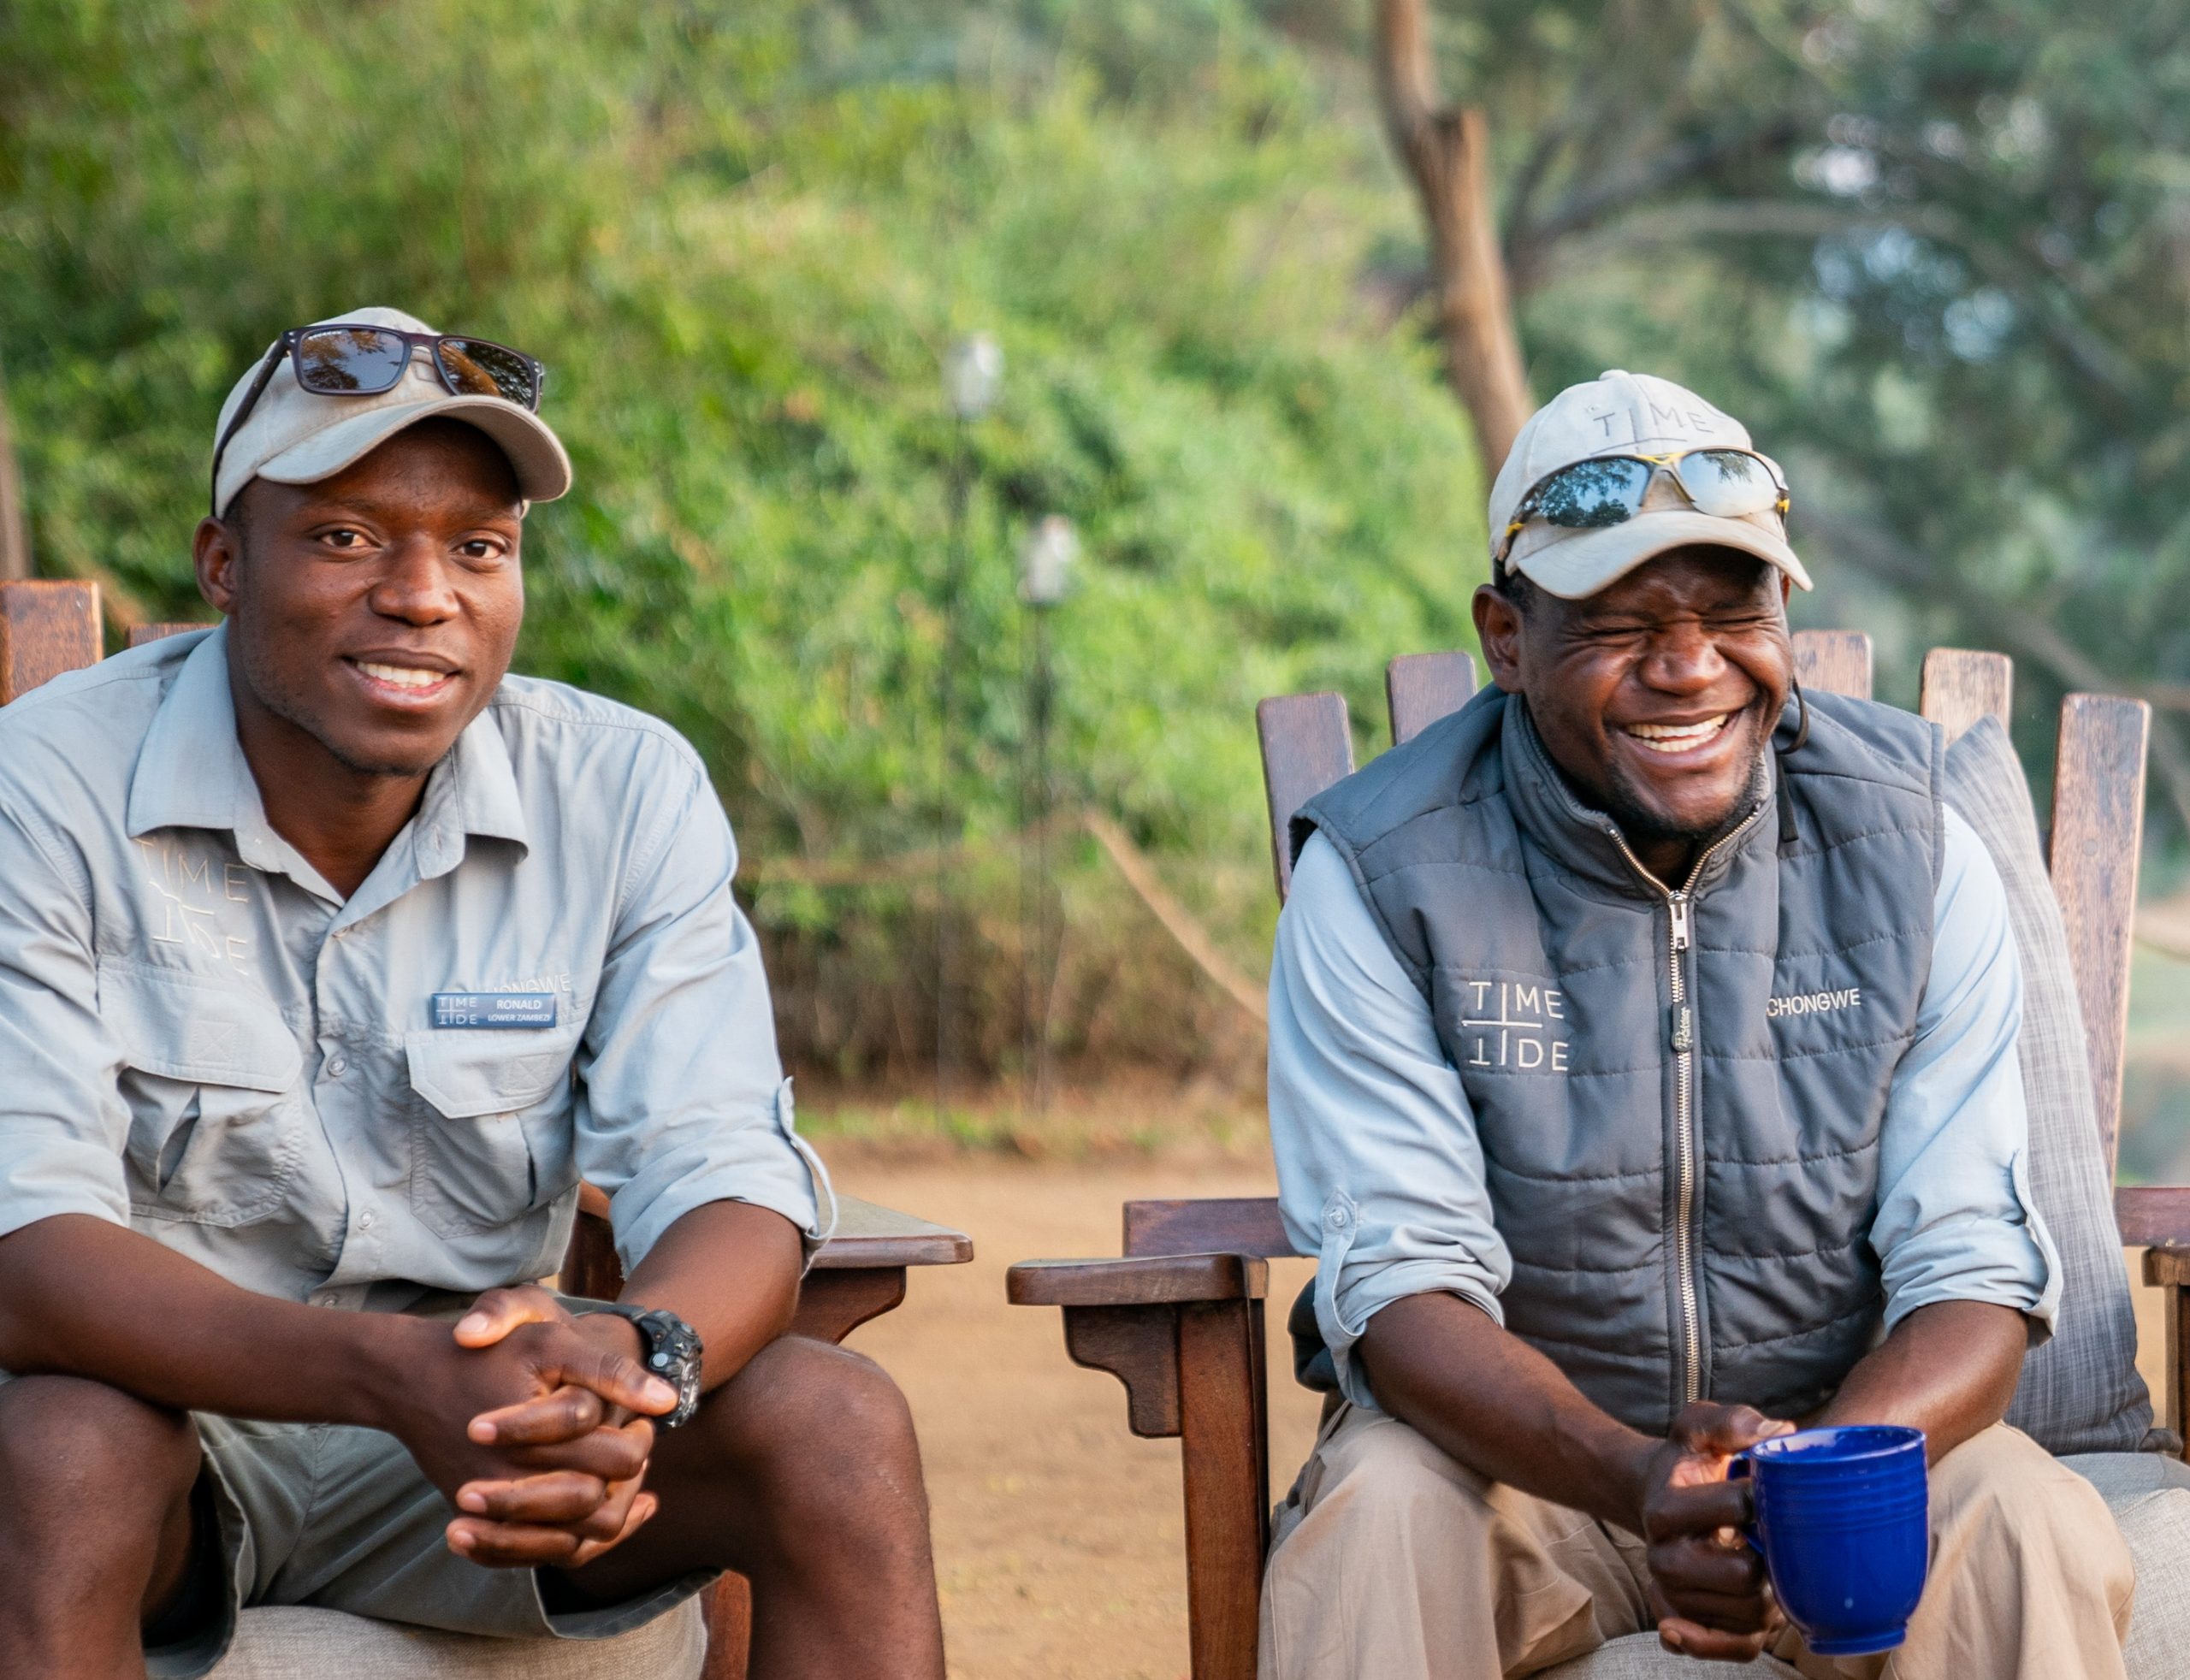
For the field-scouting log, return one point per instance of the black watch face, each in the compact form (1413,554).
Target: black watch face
(673,1355)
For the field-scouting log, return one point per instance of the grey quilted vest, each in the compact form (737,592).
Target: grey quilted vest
(1678,1094)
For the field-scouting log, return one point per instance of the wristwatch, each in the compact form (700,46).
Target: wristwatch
(670,1349)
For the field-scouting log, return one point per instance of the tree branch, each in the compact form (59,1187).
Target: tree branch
(1447,153)
(1588,205)
(2082,348)
(2029,635)
(1704,218)
(1528,180)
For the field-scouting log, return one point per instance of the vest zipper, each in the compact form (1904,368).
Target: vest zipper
(1680,925)
(1677,907)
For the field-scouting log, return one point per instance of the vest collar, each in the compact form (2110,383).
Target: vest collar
(1587,843)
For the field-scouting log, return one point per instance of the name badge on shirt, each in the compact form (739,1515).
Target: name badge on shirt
(493,1008)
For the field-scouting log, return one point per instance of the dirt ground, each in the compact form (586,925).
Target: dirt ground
(1060,1540)
(1059,1536)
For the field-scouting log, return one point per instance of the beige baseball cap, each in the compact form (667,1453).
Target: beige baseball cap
(296,436)
(1622,413)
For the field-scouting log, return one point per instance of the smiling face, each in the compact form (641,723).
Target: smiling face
(1657,695)
(374,611)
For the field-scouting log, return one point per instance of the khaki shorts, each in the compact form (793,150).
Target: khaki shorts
(341,1518)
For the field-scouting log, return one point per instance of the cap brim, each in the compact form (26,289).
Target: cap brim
(535,454)
(1588,561)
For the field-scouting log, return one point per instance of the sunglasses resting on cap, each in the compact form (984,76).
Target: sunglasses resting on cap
(324,395)
(1619,469)
(1609,489)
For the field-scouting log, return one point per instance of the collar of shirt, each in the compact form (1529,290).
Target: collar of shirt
(192,773)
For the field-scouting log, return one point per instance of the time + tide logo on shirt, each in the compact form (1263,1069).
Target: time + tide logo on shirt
(192,887)
(1516,1024)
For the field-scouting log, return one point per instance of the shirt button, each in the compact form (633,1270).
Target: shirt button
(366,1220)
(336,1067)
(324,1298)
(1336,1219)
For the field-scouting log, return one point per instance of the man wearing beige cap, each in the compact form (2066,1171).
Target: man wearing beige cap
(1644,1075)
(331,956)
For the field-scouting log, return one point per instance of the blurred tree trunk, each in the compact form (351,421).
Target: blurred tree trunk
(15,525)
(1447,153)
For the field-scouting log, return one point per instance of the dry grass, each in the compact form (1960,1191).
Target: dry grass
(1125,1119)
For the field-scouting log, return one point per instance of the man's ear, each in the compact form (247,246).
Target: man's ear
(1498,630)
(216,551)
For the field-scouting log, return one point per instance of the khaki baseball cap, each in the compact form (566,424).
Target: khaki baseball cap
(1622,413)
(296,436)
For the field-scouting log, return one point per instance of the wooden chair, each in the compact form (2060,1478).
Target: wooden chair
(48,627)
(1179,1319)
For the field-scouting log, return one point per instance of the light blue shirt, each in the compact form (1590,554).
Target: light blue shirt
(201,1038)
(1362,1100)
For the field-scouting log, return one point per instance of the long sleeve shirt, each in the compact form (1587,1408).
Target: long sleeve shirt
(1363,1100)
(351,1100)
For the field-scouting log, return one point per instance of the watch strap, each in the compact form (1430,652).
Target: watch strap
(669,1348)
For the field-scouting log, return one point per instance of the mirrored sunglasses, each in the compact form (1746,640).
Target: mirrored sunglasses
(343,358)
(1609,489)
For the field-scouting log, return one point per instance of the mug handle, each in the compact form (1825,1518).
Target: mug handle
(1738,1470)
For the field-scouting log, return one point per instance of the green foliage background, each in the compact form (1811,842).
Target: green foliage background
(1935,252)
(742,235)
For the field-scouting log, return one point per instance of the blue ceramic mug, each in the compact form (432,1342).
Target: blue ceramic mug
(1842,1522)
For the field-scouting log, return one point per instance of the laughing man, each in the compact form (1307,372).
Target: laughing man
(1642,1071)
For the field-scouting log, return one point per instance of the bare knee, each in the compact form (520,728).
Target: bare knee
(90,1460)
(824,1438)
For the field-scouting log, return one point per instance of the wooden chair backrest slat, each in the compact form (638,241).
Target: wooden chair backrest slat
(2098,810)
(1307,745)
(141,634)
(1211,1225)
(47,626)
(1422,688)
(1961,686)
(1838,662)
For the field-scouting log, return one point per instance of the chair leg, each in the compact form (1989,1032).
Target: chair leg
(730,1629)
(1221,1403)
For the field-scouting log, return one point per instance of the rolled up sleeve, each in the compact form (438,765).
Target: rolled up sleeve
(1956,1219)
(1380,1171)
(682,1097)
(62,1123)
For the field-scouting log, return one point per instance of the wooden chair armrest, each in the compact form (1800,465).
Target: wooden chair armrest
(867,1234)
(1184,1334)
(870,1234)
(1163,1280)
(2166,1268)
(857,1275)
(2153,1215)
(2167,1265)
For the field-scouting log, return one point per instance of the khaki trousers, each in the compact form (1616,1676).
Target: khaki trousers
(1392,1562)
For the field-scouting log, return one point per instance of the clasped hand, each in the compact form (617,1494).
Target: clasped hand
(1707,1585)
(538,1427)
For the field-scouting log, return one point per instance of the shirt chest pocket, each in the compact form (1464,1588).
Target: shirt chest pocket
(210,1076)
(491,1126)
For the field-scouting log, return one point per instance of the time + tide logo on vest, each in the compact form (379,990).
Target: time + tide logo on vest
(1516,1024)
